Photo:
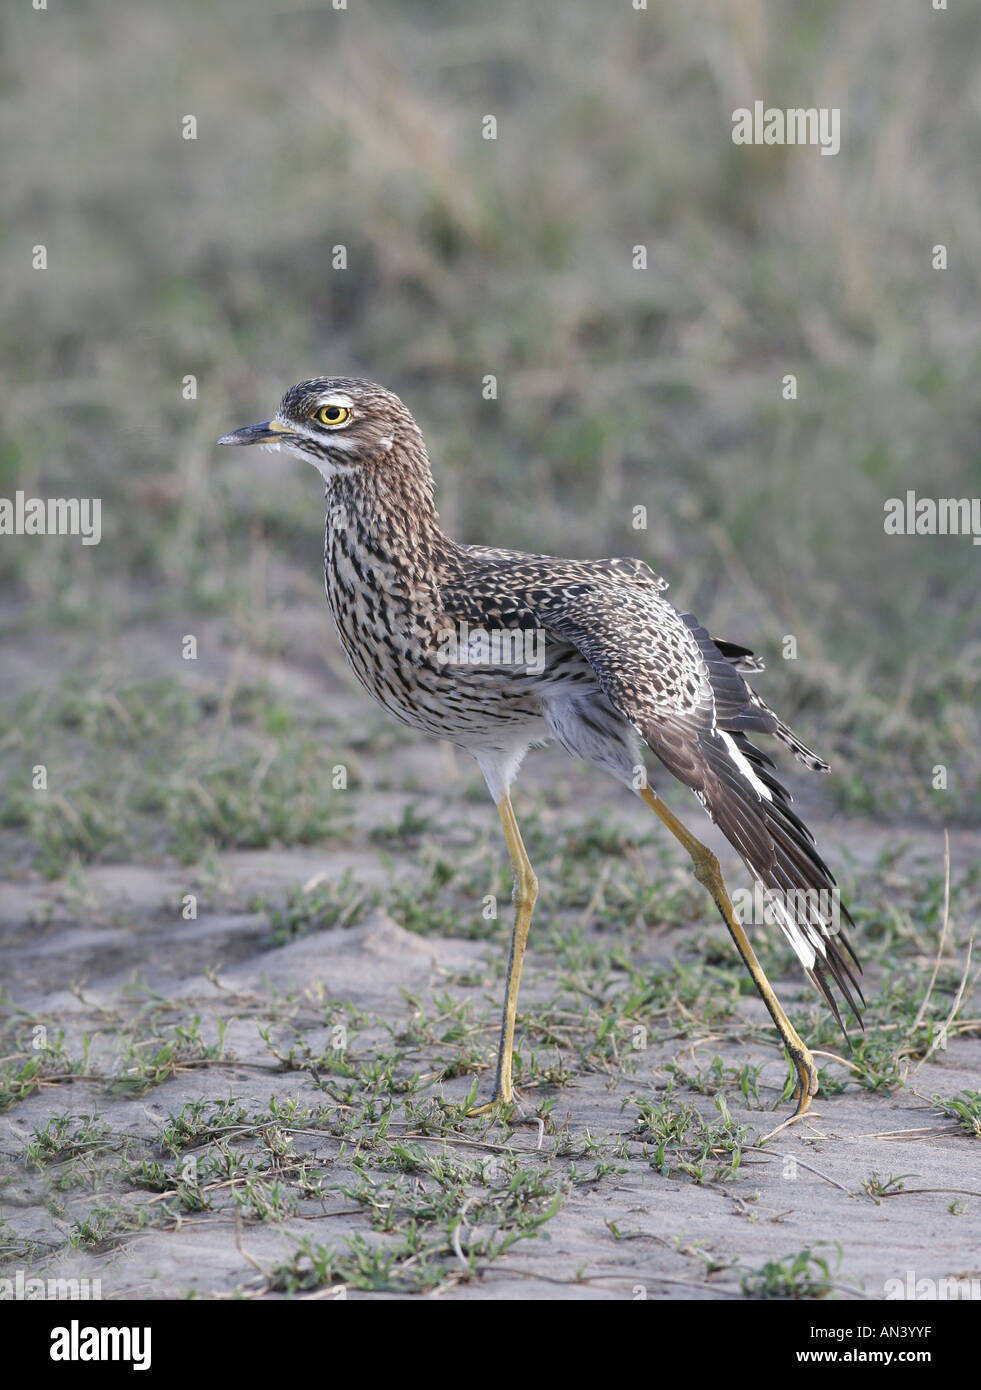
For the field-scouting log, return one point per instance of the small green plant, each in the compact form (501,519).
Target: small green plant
(965,1108)
(878,1187)
(717,1077)
(339,902)
(681,1138)
(804,1275)
(67,1136)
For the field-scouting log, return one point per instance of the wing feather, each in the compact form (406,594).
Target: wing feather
(692,706)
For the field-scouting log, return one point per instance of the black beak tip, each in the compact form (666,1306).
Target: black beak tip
(252,434)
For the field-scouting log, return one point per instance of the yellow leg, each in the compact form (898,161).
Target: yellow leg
(525,895)
(707,871)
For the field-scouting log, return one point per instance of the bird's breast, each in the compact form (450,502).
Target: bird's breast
(447,676)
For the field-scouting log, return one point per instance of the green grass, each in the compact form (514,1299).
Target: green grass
(617,388)
(965,1108)
(678,1138)
(337,903)
(804,1275)
(341,1112)
(136,769)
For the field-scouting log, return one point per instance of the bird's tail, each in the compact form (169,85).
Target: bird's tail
(759,716)
(753,811)
(800,750)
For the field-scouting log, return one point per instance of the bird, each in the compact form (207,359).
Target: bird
(499,651)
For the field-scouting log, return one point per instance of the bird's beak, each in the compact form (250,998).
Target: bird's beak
(268,432)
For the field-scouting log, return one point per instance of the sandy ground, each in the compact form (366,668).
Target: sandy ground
(106,959)
(630,1233)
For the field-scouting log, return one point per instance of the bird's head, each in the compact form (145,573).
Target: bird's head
(341,425)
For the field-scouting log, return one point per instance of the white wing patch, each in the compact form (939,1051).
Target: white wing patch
(745,767)
(802,947)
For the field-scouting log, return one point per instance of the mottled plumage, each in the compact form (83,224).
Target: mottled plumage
(603,660)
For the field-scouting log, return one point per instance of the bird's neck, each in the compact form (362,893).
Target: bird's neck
(388,518)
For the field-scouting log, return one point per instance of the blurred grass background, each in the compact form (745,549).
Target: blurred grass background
(617,387)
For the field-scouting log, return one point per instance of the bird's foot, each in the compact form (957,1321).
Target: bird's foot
(509,1107)
(806,1087)
(501,1104)
(803,1093)
(511,1113)
(491,1107)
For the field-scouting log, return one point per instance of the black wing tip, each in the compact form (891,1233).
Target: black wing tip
(818,977)
(793,863)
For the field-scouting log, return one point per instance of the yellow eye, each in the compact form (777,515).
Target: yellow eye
(333,414)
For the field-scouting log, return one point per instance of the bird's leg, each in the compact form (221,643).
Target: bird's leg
(525,894)
(707,871)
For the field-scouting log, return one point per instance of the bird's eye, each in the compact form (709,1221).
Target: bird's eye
(333,415)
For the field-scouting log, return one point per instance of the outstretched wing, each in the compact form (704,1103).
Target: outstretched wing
(688,701)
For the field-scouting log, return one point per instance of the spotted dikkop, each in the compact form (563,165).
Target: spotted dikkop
(599,661)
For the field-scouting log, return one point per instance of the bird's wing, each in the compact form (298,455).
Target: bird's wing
(688,701)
